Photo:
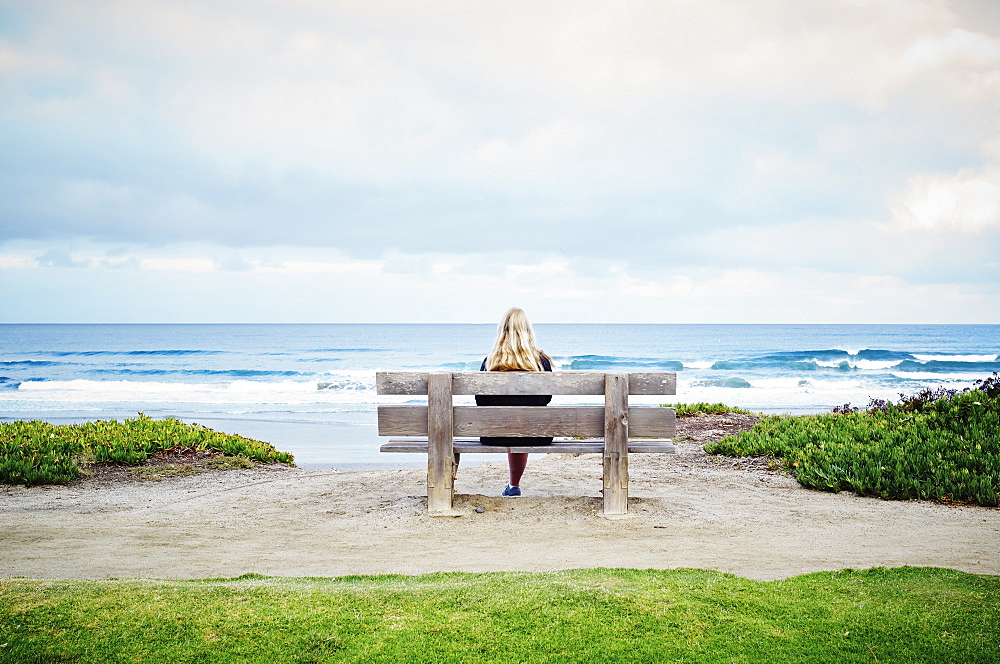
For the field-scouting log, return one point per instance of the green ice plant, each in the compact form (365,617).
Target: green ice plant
(688,409)
(37,452)
(938,445)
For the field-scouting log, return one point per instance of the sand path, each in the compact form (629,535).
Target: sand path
(687,510)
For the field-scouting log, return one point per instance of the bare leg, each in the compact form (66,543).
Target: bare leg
(517,463)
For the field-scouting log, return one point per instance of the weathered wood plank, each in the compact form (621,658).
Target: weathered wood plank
(652,422)
(528,382)
(559,382)
(650,446)
(586,421)
(585,446)
(652,384)
(528,421)
(440,455)
(616,432)
(402,420)
(401,382)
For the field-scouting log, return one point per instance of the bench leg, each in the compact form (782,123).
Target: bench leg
(442,470)
(440,452)
(615,484)
(616,444)
(440,485)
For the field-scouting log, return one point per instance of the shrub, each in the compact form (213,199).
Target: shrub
(937,444)
(36,453)
(40,453)
(989,386)
(688,409)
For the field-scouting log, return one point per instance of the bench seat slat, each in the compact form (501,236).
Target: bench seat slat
(586,446)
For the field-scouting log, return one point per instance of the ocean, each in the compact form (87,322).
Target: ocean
(310,389)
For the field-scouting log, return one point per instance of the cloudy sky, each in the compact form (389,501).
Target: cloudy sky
(339,161)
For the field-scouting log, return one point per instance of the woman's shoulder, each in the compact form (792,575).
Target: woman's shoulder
(546,360)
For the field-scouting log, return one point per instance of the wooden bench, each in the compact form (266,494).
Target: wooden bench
(447,431)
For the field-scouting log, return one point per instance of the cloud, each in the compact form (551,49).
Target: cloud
(557,149)
(233,263)
(188,265)
(967,202)
(60,258)
(316,286)
(362,127)
(955,46)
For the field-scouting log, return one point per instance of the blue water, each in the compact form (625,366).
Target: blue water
(309,389)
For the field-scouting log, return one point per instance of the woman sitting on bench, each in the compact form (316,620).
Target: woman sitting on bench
(515,350)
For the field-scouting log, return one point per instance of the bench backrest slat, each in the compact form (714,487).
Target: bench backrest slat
(526,382)
(585,421)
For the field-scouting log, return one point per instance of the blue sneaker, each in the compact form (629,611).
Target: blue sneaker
(511,491)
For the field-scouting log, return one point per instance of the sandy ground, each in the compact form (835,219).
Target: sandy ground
(686,510)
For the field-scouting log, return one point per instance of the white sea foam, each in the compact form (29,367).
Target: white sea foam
(792,393)
(957,358)
(698,365)
(936,378)
(866,365)
(830,364)
(337,389)
(875,365)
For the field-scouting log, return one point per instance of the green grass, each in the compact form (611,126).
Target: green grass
(883,615)
(945,449)
(688,409)
(37,452)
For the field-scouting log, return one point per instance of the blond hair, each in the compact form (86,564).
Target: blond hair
(515,349)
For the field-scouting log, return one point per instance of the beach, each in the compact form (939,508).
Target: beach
(686,510)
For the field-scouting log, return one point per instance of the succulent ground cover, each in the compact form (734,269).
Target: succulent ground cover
(35,452)
(702,408)
(939,445)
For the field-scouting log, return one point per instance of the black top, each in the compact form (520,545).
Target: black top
(515,400)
